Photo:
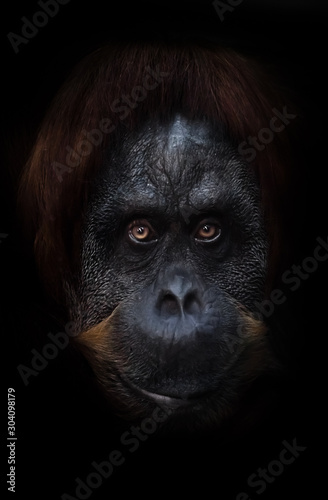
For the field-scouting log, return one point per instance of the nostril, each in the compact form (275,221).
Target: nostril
(170,304)
(191,304)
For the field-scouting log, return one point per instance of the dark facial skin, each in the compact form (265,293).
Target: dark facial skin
(174,245)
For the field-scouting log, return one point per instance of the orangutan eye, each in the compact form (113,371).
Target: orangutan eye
(141,231)
(207,231)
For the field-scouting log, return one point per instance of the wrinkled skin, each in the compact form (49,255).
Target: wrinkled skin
(174,257)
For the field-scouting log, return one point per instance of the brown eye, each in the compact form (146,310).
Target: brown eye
(141,232)
(207,231)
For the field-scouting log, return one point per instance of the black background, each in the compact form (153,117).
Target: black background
(62,426)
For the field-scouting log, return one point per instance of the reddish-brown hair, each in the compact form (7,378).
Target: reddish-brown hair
(198,80)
